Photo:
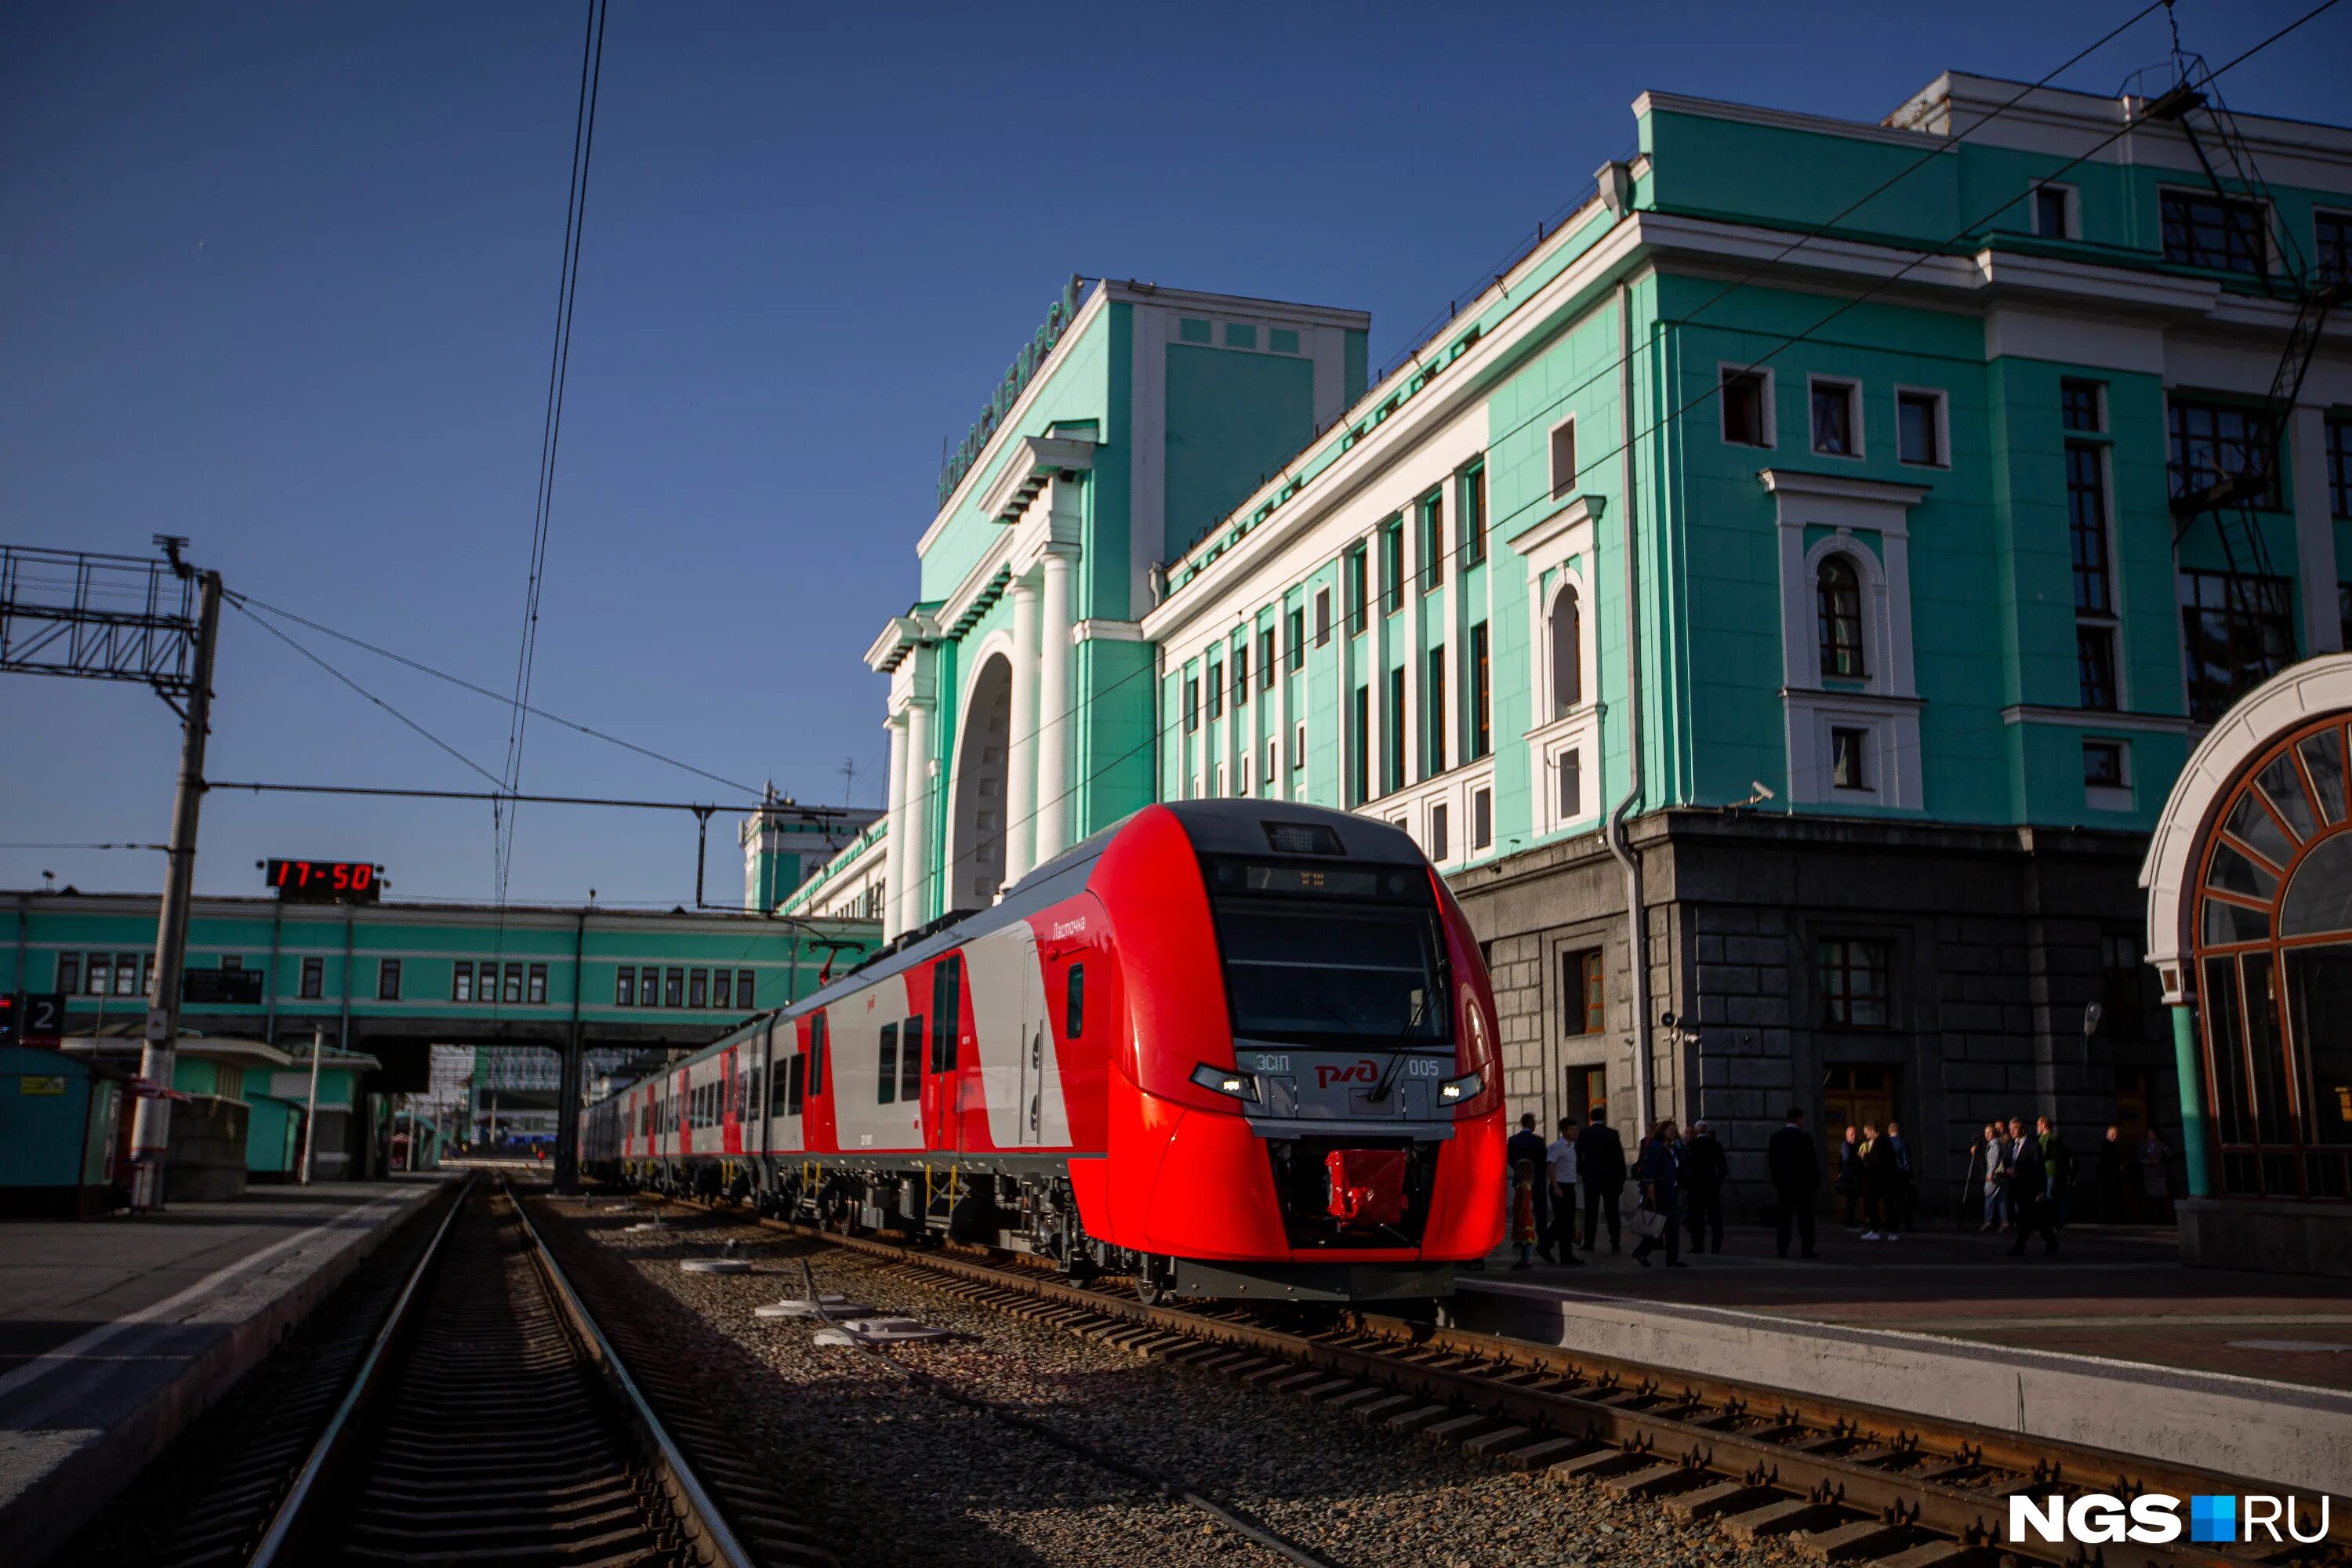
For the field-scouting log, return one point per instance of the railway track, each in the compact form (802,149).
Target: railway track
(493,1420)
(1838,1482)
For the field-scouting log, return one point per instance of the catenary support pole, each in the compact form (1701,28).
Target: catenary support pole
(310,1115)
(2192,1100)
(150,1123)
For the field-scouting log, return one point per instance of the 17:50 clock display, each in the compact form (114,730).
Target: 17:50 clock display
(325,881)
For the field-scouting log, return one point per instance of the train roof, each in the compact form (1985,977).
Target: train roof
(1238,826)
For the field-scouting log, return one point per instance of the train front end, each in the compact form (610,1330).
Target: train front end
(1310,1107)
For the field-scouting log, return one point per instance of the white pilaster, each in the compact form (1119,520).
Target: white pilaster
(1021,771)
(923,785)
(1053,716)
(894,879)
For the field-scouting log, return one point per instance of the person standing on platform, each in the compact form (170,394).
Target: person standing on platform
(1527,1148)
(1560,1169)
(1525,1184)
(1709,1168)
(2029,1187)
(1796,1168)
(2057,1162)
(1661,1174)
(1849,1177)
(2111,1177)
(1880,1179)
(2155,1178)
(1999,1165)
(1600,1172)
(1972,1192)
(1906,1186)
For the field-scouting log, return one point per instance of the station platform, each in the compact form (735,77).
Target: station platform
(2112,1342)
(115,1334)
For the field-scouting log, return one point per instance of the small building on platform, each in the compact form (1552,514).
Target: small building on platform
(2249,881)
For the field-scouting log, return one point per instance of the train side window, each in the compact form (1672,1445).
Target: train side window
(885,1076)
(816,1055)
(946,1011)
(752,1101)
(1074,1010)
(778,1105)
(910,1060)
(794,1076)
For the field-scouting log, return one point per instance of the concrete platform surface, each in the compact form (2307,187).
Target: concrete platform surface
(2111,1342)
(115,1334)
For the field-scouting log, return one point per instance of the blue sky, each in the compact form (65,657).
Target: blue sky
(281,279)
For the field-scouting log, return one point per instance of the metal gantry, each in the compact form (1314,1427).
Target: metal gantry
(105,617)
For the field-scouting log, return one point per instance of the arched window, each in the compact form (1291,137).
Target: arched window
(2273,955)
(1567,654)
(1839,591)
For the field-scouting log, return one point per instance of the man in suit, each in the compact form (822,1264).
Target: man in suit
(2029,1188)
(1601,1171)
(1708,1169)
(1795,1165)
(1527,1147)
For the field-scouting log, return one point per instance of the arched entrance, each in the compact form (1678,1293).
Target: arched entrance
(976,826)
(2273,952)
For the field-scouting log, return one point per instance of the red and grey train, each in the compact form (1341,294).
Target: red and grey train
(1230,1047)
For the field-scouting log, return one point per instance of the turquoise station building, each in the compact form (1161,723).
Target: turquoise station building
(1781,600)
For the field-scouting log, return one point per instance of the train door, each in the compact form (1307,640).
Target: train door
(943,1082)
(1019,1069)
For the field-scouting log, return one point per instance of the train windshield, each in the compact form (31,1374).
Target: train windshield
(1339,955)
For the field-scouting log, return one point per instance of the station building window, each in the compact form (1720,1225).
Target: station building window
(625,988)
(1838,589)
(1482,695)
(744,989)
(1357,580)
(510,992)
(1855,980)
(1297,628)
(723,989)
(314,977)
(1583,989)
(1432,513)
(674,988)
(461,982)
(1837,428)
(648,987)
(68,973)
(2211,442)
(1473,516)
(1563,459)
(2332,252)
(1745,396)
(1265,657)
(2237,631)
(2221,232)
(537,984)
(387,980)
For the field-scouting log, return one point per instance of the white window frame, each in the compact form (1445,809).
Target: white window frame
(2073,204)
(1771,400)
(1943,402)
(1550,450)
(1298,748)
(1852,388)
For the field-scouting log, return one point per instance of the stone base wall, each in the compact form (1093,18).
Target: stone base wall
(2267,1236)
(1996,942)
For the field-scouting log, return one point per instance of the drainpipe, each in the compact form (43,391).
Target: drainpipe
(1637,931)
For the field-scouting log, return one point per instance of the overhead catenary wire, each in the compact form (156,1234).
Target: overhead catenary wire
(363,691)
(583,145)
(481,690)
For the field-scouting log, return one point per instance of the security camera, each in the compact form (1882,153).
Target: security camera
(1763,790)
(2091,1013)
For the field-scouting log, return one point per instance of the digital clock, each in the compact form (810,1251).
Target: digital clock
(324,881)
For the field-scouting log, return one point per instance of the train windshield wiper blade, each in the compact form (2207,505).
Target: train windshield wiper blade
(1398,1050)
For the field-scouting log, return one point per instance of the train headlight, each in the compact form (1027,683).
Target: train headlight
(1454,1090)
(1225,1080)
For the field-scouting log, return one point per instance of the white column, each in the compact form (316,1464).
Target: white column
(1020,762)
(2315,529)
(893,837)
(915,855)
(1055,719)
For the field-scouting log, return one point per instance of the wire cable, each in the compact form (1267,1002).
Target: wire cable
(363,691)
(583,146)
(481,690)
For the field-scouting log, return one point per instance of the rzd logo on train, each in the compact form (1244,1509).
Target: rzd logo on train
(1363,1072)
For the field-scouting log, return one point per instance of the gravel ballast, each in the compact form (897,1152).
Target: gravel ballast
(894,1474)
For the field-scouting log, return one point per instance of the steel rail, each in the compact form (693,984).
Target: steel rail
(693,1503)
(333,1443)
(1672,1418)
